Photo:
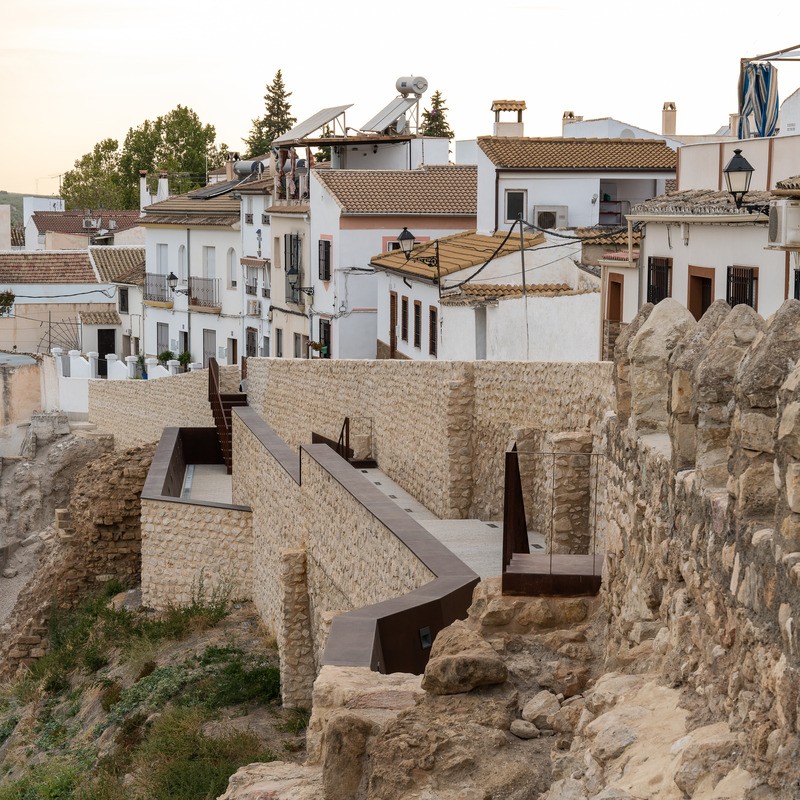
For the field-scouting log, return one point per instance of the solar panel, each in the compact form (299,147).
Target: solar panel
(386,116)
(312,123)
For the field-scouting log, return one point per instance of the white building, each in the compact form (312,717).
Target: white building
(356,213)
(68,230)
(478,305)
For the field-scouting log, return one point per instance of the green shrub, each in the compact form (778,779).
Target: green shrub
(55,780)
(166,355)
(297,721)
(7,727)
(110,695)
(177,761)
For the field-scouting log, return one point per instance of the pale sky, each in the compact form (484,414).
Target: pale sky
(77,71)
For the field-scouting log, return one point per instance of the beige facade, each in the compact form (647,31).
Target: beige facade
(20,392)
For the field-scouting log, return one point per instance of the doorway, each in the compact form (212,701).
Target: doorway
(106,343)
(233,352)
(616,285)
(209,345)
(392,324)
(701,290)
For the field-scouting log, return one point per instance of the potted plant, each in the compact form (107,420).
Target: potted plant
(141,366)
(167,355)
(185,359)
(315,346)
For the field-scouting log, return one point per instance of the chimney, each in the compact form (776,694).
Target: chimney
(508,128)
(145,198)
(229,175)
(566,118)
(163,186)
(669,114)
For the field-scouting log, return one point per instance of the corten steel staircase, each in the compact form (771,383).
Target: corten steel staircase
(221,408)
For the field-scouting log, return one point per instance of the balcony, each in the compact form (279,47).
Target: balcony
(156,289)
(204,293)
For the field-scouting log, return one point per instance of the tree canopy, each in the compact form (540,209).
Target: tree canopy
(177,142)
(434,120)
(277,118)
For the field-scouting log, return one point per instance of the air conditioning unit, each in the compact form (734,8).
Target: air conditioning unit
(254,308)
(90,224)
(126,332)
(550,216)
(264,218)
(784,223)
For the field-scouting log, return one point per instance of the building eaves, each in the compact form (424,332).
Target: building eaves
(699,202)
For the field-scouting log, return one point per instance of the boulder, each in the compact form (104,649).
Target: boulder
(540,707)
(344,755)
(524,730)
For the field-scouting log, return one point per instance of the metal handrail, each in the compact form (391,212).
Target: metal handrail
(343,445)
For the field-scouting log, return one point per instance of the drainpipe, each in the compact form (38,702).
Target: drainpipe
(188,277)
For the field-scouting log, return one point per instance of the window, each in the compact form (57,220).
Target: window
(182,262)
(162,259)
(659,279)
(433,330)
(298,346)
(265,347)
(162,337)
(291,260)
(700,290)
(209,262)
(391,246)
(123,299)
(231,268)
(417,323)
(515,204)
(796,294)
(250,342)
(742,286)
(325,338)
(278,342)
(404,319)
(324,259)
(248,219)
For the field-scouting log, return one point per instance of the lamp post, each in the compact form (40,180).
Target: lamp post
(172,282)
(738,173)
(406,240)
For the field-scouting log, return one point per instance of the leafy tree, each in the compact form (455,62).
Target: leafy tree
(434,121)
(6,302)
(95,181)
(324,151)
(276,121)
(176,142)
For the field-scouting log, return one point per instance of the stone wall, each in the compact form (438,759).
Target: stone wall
(438,428)
(137,411)
(191,552)
(97,539)
(20,393)
(703,564)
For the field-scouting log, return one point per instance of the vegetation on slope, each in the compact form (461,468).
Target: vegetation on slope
(134,705)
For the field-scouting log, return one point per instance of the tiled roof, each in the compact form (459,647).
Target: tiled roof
(621,255)
(222,210)
(789,183)
(475,294)
(46,266)
(584,154)
(18,236)
(100,318)
(297,208)
(440,190)
(596,236)
(698,201)
(456,252)
(508,105)
(113,264)
(72,221)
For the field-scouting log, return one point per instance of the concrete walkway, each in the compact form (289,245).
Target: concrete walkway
(477,543)
(209,482)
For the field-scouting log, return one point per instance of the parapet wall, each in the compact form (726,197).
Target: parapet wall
(703,552)
(136,412)
(438,428)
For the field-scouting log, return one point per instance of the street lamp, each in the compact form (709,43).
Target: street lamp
(406,239)
(172,282)
(738,173)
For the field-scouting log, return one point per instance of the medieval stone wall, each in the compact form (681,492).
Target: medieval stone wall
(703,564)
(136,412)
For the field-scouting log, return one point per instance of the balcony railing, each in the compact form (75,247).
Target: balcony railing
(251,288)
(204,292)
(156,289)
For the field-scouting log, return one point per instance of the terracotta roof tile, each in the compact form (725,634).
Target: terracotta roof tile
(72,221)
(621,255)
(584,154)
(508,105)
(698,201)
(222,210)
(100,318)
(477,294)
(597,236)
(456,252)
(440,190)
(46,266)
(18,236)
(296,208)
(114,264)
(789,183)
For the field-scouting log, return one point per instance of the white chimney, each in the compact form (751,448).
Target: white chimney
(508,128)
(566,118)
(229,173)
(669,115)
(145,198)
(163,187)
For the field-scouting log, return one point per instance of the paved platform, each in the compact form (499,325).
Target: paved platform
(478,543)
(209,482)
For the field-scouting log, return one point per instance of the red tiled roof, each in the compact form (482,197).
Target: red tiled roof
(46,266)
(438,190)
(517,152)
(72,221)
(119,264)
